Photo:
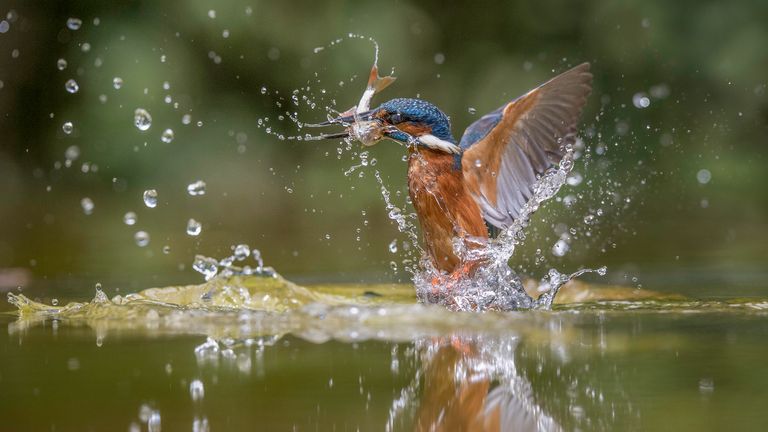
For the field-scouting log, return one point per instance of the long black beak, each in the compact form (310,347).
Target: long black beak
(343,120)
(344,134)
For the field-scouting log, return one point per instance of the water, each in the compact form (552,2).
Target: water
(194,227)
(142,119)
(370,357)
(71,86)
(196,188)
(167,136)
(150,198)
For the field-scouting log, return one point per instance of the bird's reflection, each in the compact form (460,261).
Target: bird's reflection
(470,383)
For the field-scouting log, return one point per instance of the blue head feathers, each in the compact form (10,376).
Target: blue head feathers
(419,111)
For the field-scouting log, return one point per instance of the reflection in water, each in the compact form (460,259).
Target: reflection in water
(470,383)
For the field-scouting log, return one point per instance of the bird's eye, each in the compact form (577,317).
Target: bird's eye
(395,118)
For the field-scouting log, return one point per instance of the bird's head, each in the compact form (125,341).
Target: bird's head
(413,122)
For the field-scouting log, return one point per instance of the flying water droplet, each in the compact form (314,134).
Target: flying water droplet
(72,153)
(54,301)
(200,425)
(117,83)
(87,205)
(393,246)
(130,218)
(153,425)
(703,176)
(71,86)
(208,267)
(61,64)
(142,119)
(472,110)
(641,100)
(141,238)
(194,227)
(242,251)
(560,248)
(602,271)
(167,136)
(67,127)
(196,390)
(150,198)
(196,188)
(166,249)
(74,23)
(574,179)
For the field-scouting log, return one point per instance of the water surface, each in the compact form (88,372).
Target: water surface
(367,357)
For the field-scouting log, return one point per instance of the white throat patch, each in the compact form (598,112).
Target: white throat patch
(436,143)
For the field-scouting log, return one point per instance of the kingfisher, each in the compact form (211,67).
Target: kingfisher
(473,188)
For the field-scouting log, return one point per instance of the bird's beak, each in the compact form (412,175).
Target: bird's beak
(346,119)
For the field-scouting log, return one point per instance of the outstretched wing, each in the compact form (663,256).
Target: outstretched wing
(505,150)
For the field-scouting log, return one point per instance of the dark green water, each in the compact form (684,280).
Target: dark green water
(383,362)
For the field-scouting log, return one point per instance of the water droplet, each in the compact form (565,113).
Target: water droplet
(150,198)
(560,248)
(186,119)
(72,153)
(393,246)
(4,26)
(129,218)
(439,58)
(602,271)
(212,14)
(166,249)
(706,385)
(196,188)
(472,110)
(478,163)
(208,267)
(61,64)
(153,424)
(196,390)
(590,219)
(55,301)
(242,251)
(117,83)
(141,238)
(74,23)
(167,136)
(703,176)
(193,227)
(142,119)
(67,127)
(574,178)
(71,86)
(641,100)
(263,90)
(87,205)
(85,47)
(200,425)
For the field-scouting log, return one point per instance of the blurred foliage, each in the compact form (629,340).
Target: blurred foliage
(701,64)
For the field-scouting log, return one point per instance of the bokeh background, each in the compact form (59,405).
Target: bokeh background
(671,187)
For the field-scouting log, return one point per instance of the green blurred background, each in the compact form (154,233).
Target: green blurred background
(699,66)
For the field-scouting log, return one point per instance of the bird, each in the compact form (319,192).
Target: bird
(475,187)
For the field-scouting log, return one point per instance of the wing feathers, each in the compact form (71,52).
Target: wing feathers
(521,140)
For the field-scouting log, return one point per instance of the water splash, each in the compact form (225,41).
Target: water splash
(494,285)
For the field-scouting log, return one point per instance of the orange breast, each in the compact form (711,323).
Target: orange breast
(443,204)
